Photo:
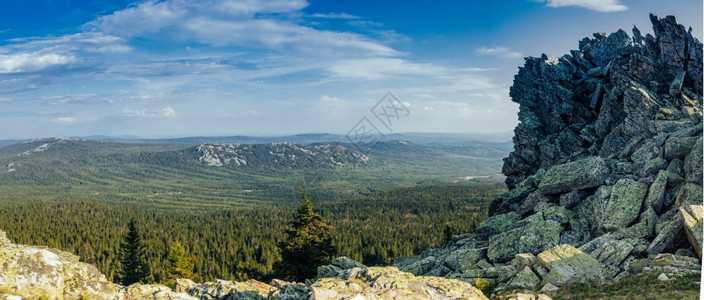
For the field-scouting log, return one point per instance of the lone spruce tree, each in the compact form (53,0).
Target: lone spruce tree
(133,267)
(308,244)
(179,263)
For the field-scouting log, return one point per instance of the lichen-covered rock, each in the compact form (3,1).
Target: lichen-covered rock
(689,194)
(656,192)
(499,223)
(337,265)
(289,291)
(345,262)
(534,202)
(523,260)
(39,272)
(613,252)
(182,285)
(524,279)
(668,235)
(623,205)
(693,163)
(567,265)
(534,237)
(577,175)
(678,146)
(692,216)
(148,291)
(328,271)
(572,198)
(417,265)
(390,283)
(220,289)
(526,296)
(675,263)
(464,259)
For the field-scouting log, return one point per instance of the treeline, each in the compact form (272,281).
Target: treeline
(241,243)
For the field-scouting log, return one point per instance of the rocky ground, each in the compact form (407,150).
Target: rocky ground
(606,174)
(605,181)
(29,272)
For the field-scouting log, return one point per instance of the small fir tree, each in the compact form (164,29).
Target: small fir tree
(447,233)
(133,267)
(179,263)
(308,244)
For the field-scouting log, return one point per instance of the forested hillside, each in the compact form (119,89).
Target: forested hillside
(79,195)
(240,243)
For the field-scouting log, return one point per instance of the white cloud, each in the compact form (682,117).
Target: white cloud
(168,112)
(501,52)
(83,42)
(32,62)
(65,120)
(596,5)
(328,106)
(365,23)
(334,16)
(236,23)
(380,68)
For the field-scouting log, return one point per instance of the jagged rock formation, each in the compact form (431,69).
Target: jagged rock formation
(279,155)
(29,272)
(606,172)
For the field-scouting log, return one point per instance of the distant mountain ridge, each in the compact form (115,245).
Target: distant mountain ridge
(437,139)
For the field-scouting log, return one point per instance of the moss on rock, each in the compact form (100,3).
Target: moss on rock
(581,174)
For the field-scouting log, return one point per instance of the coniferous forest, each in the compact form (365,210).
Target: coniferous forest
(242,243)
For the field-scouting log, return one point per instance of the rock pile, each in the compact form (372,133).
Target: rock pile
(29,272)
(606,174)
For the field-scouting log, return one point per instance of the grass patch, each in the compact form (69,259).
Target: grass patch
(639,286)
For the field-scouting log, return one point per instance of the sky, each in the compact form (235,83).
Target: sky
(175,68)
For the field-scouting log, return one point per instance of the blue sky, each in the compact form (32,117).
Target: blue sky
(221,67)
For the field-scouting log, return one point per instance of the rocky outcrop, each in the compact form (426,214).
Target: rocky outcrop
(282,155)
(606,172)
(29,272)
(43,273)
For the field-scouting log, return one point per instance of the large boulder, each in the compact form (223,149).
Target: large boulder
(623,206)
(693,163)
(692,216)
(39,272)
(533,237)
(577,175)
(499,223)
(567,265)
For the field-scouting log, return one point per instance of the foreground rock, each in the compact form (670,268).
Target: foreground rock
(28,272)
(605,179)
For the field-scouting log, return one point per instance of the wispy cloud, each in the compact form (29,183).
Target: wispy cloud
(223,24)
(380,68)
(500,52)
(596,5)
(80,42)
(365,23)
(65,120)
(166,112)
(334,16)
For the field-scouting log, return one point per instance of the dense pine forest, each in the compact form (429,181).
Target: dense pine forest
(241,243)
